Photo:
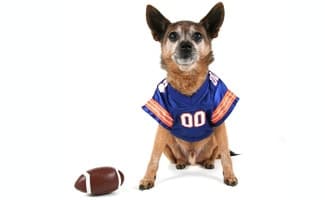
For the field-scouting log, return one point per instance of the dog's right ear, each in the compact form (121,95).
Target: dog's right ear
(156,22)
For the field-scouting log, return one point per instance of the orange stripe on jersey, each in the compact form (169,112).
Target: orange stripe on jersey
(160,112)
(223,107)
(158,106)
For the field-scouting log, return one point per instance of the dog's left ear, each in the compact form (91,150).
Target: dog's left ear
(156,22)
(213,20)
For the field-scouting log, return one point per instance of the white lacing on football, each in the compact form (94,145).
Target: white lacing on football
(88,185)
(118,178)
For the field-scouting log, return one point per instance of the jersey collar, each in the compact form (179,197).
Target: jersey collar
(195,98)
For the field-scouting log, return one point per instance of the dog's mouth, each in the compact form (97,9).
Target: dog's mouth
(185,61)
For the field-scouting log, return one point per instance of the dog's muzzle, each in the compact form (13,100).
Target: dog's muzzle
(185,53)
(185,49)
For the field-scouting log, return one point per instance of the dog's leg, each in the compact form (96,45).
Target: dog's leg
(169,154)
(175,155)
(180,159)
(209,163)
(223,151)
(162,138)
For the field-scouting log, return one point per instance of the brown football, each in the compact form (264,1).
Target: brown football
(101,180)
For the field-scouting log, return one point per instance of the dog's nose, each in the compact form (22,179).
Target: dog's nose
(186,46)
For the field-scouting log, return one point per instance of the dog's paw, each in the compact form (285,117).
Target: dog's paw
(208,164)
(231,181)
(180,165)
(146,184)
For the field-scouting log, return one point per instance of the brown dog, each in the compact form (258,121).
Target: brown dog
(191,130)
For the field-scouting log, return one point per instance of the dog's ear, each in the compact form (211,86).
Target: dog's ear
(156,22)
(213,20)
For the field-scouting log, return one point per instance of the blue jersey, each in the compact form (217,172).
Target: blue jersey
(192,118)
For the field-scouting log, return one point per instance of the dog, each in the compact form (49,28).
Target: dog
(192,103)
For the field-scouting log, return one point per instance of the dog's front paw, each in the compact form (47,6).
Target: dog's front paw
(146,184)
(231,181)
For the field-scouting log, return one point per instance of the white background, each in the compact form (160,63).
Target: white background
(74,75)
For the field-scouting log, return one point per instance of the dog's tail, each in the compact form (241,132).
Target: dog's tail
(233,153)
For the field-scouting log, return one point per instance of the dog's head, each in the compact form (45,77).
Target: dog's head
(185,45)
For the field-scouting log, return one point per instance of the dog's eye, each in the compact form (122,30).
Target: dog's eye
(173,36)
(197,37)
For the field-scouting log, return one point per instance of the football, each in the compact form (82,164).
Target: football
(101,180)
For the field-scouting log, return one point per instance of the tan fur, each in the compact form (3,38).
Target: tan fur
(188,83)
(178,151)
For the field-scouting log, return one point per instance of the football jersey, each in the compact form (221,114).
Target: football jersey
(192,118)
